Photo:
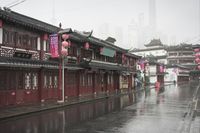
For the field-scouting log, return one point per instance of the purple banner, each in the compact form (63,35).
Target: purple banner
(54,45)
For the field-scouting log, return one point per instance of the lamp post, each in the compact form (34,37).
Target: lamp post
(63,39)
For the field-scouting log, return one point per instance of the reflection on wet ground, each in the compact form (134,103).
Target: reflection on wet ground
(59,121)
(156,111)
(164,111)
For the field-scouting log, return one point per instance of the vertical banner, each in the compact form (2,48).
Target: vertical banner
(161,69)
(54,45)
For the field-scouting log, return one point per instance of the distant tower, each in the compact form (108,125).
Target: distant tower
(104,30)
(53,19)
(152,15)
(199,19)
(119,36)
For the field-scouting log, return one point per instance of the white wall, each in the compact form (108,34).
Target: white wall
(153,79)
(159,52)
(171,76)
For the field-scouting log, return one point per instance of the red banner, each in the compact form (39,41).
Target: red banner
(54,45)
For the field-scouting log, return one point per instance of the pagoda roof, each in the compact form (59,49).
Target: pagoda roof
(154,42)
(181,47)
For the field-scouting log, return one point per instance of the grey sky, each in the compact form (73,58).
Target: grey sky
(175,18)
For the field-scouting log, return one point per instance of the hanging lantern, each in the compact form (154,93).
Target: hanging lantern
(45,37)
(161,69)
(1,23)
(101,50)
(64,51)
(65,36)
(197,55)
(196,50)
(199,67)
(87,46)
(197,60)
(65,44)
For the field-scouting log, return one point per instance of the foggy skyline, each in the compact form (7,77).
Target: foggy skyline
(176,20)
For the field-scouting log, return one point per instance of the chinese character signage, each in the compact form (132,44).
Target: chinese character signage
(54,45)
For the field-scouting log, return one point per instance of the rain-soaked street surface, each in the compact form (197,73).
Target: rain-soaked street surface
(167,111)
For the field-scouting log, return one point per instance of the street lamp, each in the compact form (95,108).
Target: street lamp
(64,42)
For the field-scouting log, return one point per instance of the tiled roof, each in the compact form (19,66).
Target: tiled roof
(96,41)
(154,42)
(20,62)
(20,19)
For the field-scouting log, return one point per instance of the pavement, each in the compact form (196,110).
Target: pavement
(10,112)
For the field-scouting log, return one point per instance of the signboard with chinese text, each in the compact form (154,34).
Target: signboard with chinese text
(54,45)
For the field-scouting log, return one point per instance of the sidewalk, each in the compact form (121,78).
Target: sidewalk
(10,112)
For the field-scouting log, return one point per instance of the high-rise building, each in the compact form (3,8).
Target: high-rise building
(104,30)
(152,15)
(199,20)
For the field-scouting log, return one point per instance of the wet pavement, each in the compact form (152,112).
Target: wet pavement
(168,111)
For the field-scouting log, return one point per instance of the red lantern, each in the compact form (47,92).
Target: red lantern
(65,44)
(1,23)
(197,55)
(87,46)
(65,36)
(161,69)
(64,51)
(45,37)
(199,67)
(197,60)
(196,50)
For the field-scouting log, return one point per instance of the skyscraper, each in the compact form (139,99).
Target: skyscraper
(199,20)
(152,15)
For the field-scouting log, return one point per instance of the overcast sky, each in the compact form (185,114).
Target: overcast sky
(177,19)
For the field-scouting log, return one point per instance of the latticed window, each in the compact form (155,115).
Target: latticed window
(19,40)
(82,80)
(35,81)
(5,37)
(27,80)
(45,81)
(89,77)
(34,43)
(12,39)
(50,82)
(55,81)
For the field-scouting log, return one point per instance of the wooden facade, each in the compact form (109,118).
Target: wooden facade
(29,75)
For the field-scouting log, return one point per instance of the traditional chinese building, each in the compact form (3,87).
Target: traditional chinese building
(28,73)
(182,57)
(155,48)
(195,73)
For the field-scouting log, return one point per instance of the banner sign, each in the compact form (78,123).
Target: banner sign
(107,52)
(54,45)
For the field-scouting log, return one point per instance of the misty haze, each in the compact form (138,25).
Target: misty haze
(99,66)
